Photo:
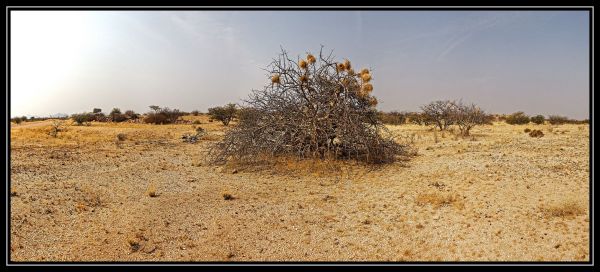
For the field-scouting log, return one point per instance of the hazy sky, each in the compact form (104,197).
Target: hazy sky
(505,61)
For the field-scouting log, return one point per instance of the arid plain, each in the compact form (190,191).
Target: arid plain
(498,196)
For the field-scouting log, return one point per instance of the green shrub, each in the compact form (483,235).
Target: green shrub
(82,118)
(538,119)
(224,114)
(517,118)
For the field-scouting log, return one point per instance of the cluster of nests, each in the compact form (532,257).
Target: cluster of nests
(364,77)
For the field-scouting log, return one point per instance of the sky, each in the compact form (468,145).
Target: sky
(504,61)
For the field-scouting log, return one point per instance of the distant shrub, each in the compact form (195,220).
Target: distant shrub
(96,110)
(129,114)
(121,137)
(18,120)
(536,133)
(517,118)
(538,119)
(224,114)
(98,117)
(558,120)
(228,196)
(56,127)
(195,113)
(116,115)
(196,122)
(417,118)
(392,118)
(82,118)
(527,130)
(162,115)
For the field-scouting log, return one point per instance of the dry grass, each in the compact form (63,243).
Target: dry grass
(504,197)
(565,208)
(151,191)
(438,199)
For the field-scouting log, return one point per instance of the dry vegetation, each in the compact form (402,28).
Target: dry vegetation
(498,195)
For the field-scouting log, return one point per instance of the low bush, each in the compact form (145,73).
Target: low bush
(538,119)
(162,115)
(517,118)
(558,120)
(536,133)
(392,118)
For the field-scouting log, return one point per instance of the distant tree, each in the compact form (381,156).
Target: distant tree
(440,113)
(195,112)
(156,109)
(97,110)
(468,116)
(538,119)
(224,114)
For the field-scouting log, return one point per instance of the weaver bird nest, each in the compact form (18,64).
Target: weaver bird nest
(313,107)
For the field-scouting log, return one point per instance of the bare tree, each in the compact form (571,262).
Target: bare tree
(468,116)
(440,113)
(56,127)
(311,109)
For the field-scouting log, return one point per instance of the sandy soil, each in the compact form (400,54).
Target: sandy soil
(500,196)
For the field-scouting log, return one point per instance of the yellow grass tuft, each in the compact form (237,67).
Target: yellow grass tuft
(151,191)
(437,199)
(364,71)
(566,208)
(340,67)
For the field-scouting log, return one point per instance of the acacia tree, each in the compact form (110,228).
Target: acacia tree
(440,113)
(468,116)
(313,108)
(224,114)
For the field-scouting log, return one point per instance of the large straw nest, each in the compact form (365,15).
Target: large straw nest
(368,88)
(372,101)
(303,64)
(366,77)
(347,65)
(311,58)
(275,79)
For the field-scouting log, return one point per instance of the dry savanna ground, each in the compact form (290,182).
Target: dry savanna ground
(498,196)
